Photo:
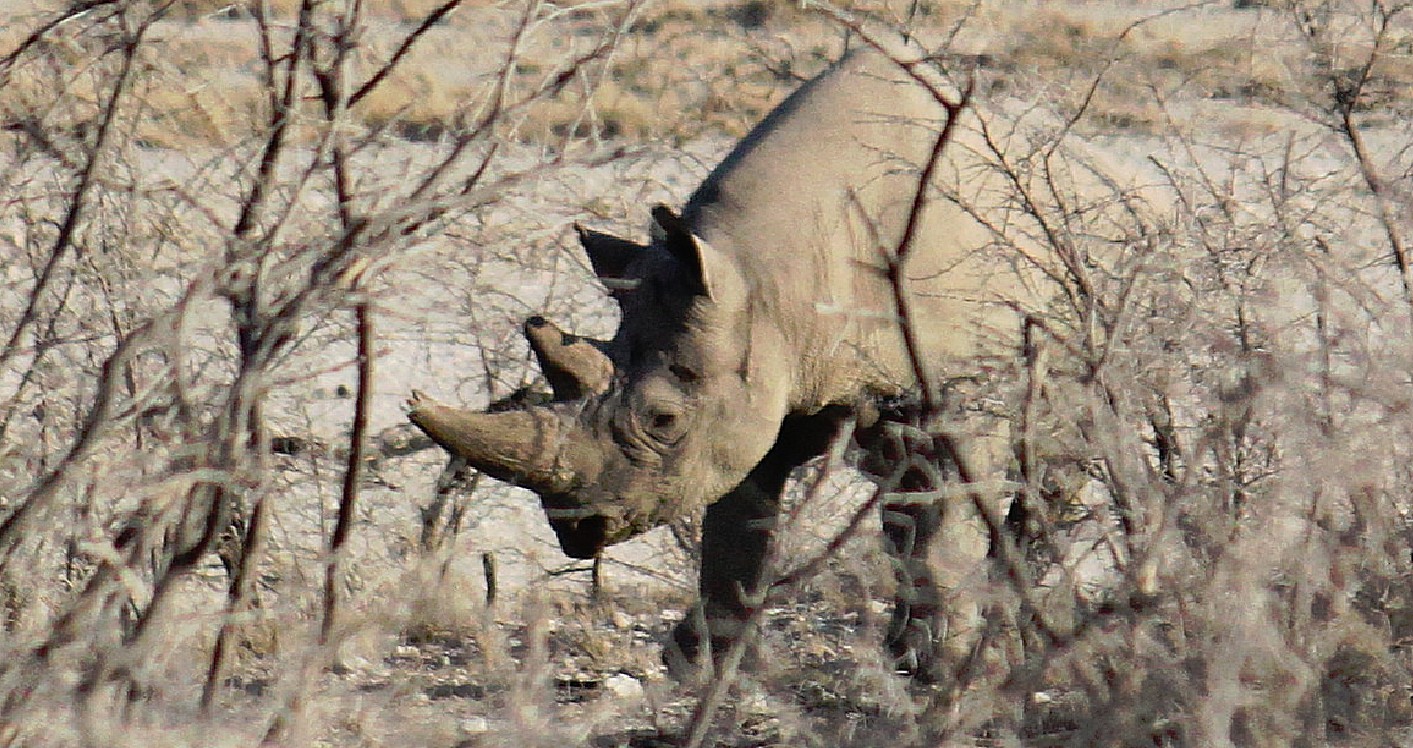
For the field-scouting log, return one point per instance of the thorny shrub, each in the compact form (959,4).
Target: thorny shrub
(211,311)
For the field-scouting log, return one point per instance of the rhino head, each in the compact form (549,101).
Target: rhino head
(665,418)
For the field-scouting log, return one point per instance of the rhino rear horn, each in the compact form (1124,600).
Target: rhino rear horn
(574,367)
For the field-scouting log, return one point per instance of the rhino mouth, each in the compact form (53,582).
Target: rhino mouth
(582,537)
(583,532)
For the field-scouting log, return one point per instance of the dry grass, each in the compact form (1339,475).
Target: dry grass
(399,11)
(683,70)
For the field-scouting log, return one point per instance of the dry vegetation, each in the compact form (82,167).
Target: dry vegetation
(234,233)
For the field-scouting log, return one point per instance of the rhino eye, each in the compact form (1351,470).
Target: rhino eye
(664,425)
(664,421)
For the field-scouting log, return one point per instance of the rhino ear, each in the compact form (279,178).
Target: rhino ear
(671,232)
(610,256)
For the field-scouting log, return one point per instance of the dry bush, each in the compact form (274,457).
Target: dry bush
(183,389)
(1232,323)
(204,249)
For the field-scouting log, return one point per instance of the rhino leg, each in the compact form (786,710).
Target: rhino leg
(736,533)
(735,539)
(935,535)
(905,462)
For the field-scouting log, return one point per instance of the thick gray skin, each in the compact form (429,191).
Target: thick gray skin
(752,326)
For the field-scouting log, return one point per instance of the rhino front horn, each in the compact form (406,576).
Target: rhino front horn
(525,447)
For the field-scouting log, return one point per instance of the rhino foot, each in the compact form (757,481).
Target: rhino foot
(688,653)
(913,648)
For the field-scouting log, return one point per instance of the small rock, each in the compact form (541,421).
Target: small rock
(623,686)
(622,620)
(755,703)
(475,725)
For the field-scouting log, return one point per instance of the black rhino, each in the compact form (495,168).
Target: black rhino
(762,318)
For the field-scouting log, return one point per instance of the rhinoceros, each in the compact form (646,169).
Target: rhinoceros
(755,323)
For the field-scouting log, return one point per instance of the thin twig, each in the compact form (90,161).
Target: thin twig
(352,472)
(87,183)
(408,42)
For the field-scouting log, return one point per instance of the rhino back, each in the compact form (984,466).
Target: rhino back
(809,205)
(858,128)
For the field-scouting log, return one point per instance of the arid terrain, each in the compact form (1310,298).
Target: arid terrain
(235,234)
